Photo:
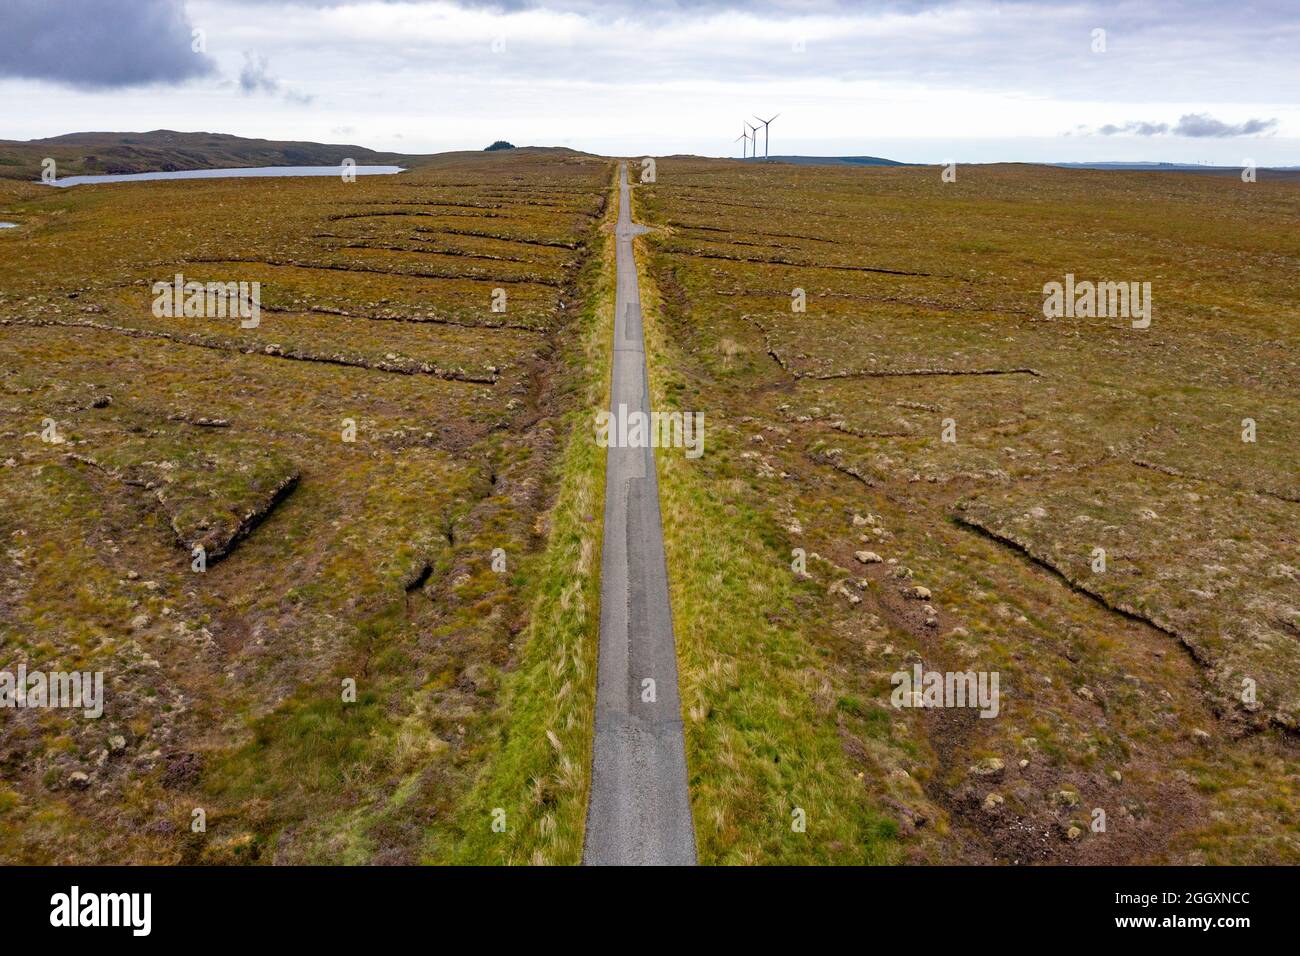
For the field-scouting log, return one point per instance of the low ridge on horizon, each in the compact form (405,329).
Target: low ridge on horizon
(102,152)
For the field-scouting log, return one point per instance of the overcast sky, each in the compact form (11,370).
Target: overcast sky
(916,80)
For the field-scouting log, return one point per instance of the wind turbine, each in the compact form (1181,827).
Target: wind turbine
(745,134)
(753,135)
(765,123)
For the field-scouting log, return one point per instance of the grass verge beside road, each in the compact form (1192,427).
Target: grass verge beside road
(541,775)
(761,743)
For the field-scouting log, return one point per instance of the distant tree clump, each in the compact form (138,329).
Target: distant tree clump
(499,144)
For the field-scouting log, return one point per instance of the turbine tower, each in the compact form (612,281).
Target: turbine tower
(753,138)
(765,123)
(745,136)
(742,148)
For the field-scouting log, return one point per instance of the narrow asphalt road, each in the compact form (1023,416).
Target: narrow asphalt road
(639,812)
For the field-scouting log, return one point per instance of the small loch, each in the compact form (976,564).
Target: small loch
(335,170)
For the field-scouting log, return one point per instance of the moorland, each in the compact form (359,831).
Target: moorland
(395,481)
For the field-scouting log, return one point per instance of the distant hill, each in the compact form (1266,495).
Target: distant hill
(1121,166)
(1169,167)
(830,160)
(82,154)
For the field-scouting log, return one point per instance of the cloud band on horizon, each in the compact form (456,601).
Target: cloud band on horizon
(1194,125)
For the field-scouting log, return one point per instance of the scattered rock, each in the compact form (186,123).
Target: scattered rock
(78,780)
(868,557)
(990,767)
(918,593)
(993,802)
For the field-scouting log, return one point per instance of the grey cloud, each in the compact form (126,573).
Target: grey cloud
(1188,50)
(1158,51)
(99,43)
(255,77)
(1135,129)
(1197,125)
(1111,14)
(1205,125)
(657,8)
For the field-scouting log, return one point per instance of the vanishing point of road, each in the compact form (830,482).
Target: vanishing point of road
(639,811)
